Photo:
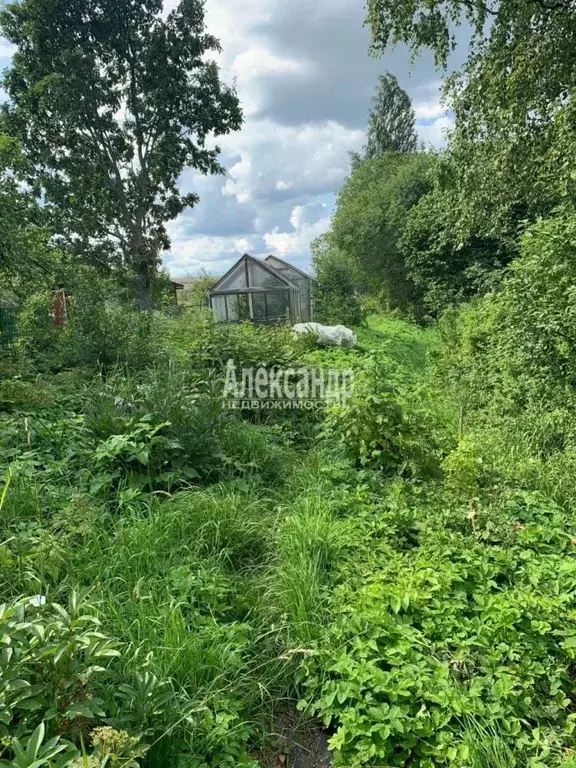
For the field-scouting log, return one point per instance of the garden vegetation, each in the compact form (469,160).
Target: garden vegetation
(185,585)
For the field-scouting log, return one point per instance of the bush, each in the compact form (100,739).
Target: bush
(382,426)
(103,326)
(537,310)
(50,659)
(159,428)
(212,344)
(22,395)
(336,299)
(515,349)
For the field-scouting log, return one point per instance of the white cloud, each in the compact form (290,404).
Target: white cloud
(276,162)
(436,132)
(6,48)
(310,213)
(429,110)
(256,61)
(296,244)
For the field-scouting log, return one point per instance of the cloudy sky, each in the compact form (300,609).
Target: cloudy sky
(305,81)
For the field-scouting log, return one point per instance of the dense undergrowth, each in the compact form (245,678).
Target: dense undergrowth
(178,577)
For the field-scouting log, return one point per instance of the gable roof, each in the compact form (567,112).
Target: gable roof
(291,266)
(263,264)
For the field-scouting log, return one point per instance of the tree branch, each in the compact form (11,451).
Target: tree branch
(471,5)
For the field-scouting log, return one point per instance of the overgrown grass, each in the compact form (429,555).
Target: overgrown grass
(400,570)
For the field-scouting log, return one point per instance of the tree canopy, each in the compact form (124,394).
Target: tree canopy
(512,101)
(391,122)
(27,258)
(371,213)
(111,101)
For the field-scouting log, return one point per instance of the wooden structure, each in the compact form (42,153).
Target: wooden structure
(175,287)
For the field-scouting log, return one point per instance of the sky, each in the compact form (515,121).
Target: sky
(305,81)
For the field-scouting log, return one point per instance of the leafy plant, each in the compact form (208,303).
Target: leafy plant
(49,658)
(34,753)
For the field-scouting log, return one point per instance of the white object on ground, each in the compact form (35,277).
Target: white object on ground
(37,601)
(328,335)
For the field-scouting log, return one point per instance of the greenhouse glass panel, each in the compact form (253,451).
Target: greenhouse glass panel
(219,308)
(232,306)
(235,281)
(258,307)
(244,306)
(261,278)
(277,304)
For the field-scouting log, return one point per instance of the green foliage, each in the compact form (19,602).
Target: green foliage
(309,541)
(157,428)
(22,395)
(536,316)
(197,290)
(371,213)
(464,469)
(256,452)
(519,339)
(510,156)
(391,122)
(210,344)
(448,260)
(410,578)
(106,131)
(467,618)
(102,326)
(50,658)
(382,426)
(26,258)
(336,300)
(419,25)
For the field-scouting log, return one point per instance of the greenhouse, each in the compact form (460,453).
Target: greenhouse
(270,291)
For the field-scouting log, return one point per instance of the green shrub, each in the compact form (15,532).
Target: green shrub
(213,344)
(517,346)
(22,395)
(103,326)
(470,621)
(537,310)
(336,300)
(384,426)
(50,659)
(159,427)
(464,469)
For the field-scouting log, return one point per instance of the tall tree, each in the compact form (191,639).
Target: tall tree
(112,99)
(27,257)
(371,214)
(391,121)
